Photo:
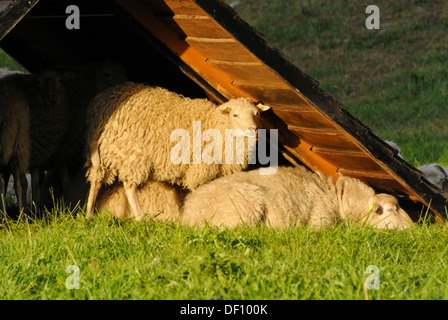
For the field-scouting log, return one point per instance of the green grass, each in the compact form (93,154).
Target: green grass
(394,79)
(6,62)
(120,259)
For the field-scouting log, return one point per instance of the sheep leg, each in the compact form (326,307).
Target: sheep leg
(4,178)
(95,187)
(20,186)
(36,178)
(131,194)
(24,184)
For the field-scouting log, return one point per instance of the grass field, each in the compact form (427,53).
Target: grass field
(394,79)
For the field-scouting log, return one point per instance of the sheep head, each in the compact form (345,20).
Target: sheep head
(50,82)
(242,114)
(435,174)
(359,203)
(108,74)
(385,212)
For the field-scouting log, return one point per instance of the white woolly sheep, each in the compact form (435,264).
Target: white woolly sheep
(159,200)
(436,174)
(292,196)
(130,138)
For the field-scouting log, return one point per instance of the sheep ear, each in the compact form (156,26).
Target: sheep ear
(441,170)
(263,107)
(375,208)
(224,108)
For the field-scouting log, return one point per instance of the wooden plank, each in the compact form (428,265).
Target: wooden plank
(256,72)
(223,49)
(297,147)
(348,159)
(181,7)
(12,14)
(195,60)
(330,130)
(200,27)
(311,118)
(278,94)
(366,173)
(379,181)
(324,139)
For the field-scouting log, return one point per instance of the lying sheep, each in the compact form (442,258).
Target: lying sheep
(235,4)
(433,172)
(394,146)
(292,196)
(129,138)
(436,174)
(159,200)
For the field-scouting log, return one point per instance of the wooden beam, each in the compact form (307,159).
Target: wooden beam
(198,62)
(12,14)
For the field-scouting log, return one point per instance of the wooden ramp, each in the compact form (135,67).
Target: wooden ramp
(225,57)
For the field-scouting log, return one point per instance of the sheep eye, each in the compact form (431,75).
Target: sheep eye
(235,115)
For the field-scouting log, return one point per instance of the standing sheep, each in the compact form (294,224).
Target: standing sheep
(292,196)
(80,87)
(14,140)
(48,125)
(129,138)
(22,94)
(160,200)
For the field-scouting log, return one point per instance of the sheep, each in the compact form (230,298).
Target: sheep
(80,87)
(23,95)
(83,85)
(292,196)
(235,4)
(14,137)
(56,105)
(394,146)
(433,172)
(48,125)
(160,200)
(130,138)
(436,174)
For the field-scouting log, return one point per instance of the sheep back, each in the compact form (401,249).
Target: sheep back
(129,130)
(291,196)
